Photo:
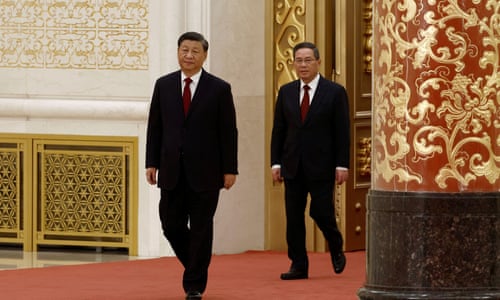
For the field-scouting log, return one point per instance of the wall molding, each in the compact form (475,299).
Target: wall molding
(130,110)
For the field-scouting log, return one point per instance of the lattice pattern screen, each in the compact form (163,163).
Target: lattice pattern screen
(83,194)
(9,211)
(12,208)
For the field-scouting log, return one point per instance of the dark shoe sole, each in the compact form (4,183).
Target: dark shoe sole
(193,296)
(287,276)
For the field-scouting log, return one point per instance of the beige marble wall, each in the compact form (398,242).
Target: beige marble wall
(237,54)
(50,96)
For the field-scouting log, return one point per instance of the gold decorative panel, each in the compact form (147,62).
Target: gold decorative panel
(12,205)
(68,190)
(364,156)
(368,35)
(83,193)
(290,30)
(9,201)
(74,34)
(362,143)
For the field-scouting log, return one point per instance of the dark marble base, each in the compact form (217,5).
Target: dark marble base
(424,294)
(432,246)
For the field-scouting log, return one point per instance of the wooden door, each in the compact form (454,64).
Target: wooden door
(352,32)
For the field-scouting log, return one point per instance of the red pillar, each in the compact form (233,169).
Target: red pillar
(434,206)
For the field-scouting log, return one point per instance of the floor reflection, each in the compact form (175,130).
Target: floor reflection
(15,258)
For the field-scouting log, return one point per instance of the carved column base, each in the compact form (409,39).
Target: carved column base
(432,246)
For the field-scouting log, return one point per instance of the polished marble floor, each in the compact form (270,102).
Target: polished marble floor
(15,258)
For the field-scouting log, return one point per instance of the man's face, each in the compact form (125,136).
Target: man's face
(191,57)
(306,65)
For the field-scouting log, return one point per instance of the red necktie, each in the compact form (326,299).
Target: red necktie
(186,96)
(304,106)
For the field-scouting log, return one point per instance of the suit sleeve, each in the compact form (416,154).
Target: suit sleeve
(342,128)
(228,132)
(278,132)
(154,131)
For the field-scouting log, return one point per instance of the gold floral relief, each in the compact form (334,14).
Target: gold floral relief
(290,30)
(74,34)
(364,156)
(368,35)
(436,101)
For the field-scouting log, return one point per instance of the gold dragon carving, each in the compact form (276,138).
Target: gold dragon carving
(436,99)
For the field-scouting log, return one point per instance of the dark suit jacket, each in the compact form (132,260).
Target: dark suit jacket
(206,139)
(321,143)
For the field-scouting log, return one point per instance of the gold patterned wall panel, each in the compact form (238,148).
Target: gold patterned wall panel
(68,190)
(74,34)
(363,152)
(368,35)
(9,181)
(289,28)
(84,193)
(436,97)
(14,209)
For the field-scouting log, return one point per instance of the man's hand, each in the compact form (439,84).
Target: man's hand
(229,180)
(341,176)
(276,173)
(151,175)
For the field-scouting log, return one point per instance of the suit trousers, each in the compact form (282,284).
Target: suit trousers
(321,210)
(187,221)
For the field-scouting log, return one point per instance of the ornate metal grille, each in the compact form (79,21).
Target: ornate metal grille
(9,202)
(83,193)
(13,209)
(67,190)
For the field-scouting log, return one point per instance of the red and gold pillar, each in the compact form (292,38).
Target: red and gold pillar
(434,204)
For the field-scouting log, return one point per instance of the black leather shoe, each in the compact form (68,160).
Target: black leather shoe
(339,262)
(293,274)
(192,295)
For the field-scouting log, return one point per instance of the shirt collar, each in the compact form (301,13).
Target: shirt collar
(194,78)
(313,84)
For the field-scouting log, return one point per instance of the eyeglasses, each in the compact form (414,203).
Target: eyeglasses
(307,61)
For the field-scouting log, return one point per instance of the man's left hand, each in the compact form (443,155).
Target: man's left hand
(229,180)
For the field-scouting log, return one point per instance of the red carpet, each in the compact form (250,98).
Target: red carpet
(250,275)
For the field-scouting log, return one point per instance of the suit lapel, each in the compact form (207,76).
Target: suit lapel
(317,99)
(195,99)
(174,89)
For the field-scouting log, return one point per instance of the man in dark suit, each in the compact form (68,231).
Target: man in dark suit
(192,143)
(310,152)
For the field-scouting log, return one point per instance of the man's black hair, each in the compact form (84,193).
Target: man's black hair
(306,45)
(193,36)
